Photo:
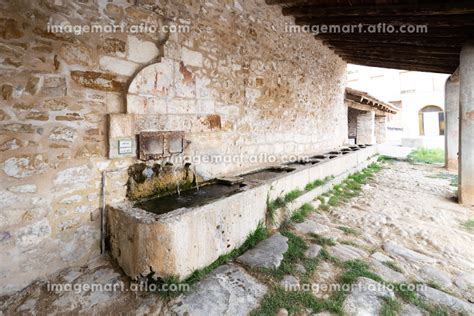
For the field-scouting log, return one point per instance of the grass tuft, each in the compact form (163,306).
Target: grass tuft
(275,204)
(390,307)
(427,156)
(322,241)
(352,271)
(295,302)
(383,158)
(355,269)
(312,185)
(292,195)
(300,214)
(392,265)
(469,225)
(348,230)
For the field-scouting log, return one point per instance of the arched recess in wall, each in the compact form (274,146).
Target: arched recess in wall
(431,121)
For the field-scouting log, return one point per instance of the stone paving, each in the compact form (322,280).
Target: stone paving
(266,254)
(228,290)
(238,288)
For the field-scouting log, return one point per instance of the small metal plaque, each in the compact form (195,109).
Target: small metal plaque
(125,146)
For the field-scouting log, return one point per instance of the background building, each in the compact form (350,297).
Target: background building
(419,95)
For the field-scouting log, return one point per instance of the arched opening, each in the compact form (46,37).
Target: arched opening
(431,121)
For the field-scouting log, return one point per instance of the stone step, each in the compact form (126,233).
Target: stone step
(267,253)
(406,253)
(227,290)
(441,298)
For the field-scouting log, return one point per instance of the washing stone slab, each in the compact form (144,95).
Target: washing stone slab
(227,290)
(267,253)
(406,253)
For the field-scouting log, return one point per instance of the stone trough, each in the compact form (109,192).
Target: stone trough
(176,241)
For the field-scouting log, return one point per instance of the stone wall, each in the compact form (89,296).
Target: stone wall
(251,89)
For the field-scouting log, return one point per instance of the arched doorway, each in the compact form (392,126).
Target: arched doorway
(431,121)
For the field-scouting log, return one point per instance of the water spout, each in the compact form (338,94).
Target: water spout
(196,178)
(177,181)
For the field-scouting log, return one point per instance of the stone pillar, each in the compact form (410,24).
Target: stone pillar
(466,125)
(451,134)
(380,129)
(366,128)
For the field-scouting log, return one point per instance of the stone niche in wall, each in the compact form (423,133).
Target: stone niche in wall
(163,104)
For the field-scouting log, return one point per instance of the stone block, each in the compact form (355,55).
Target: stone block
(97,80)
(55,104)
(139,104)
(32,85)
(154,80)
(266,254)
(72,176)
(25,188)
(191,58)
(7,91)
(227,290)
(37,116)
(182,106)
(118,66)
(366,298)
(206,106)
(141,51)
(10,29)
(121,128)
(203,91)
(54,86)
(25,166)
(121,125)
(346,253)
(33,234)
(114,46)
(76,54)
(184,84)
(4,116)
(63,133)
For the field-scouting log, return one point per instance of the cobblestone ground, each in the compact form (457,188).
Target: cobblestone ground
(404,227)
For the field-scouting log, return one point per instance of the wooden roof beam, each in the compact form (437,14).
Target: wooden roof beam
(387,39)
(402,58)
(437,9)
(411,49)
(445,69)
(431,21)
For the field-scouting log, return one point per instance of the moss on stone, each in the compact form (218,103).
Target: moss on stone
(147,181)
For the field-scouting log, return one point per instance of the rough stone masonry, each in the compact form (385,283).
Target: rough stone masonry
(251,88)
